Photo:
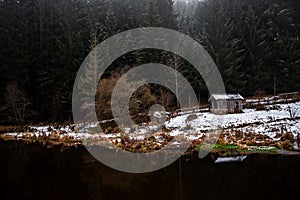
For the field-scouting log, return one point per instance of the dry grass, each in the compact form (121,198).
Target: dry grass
(12,129)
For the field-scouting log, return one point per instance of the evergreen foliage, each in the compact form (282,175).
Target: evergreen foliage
(255,44)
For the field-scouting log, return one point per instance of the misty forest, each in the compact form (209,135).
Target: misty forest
(254,43)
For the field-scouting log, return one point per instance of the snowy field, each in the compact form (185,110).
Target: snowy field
(261,122)
(274,125)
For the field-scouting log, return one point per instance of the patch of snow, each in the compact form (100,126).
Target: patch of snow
(230,159)
(209,121)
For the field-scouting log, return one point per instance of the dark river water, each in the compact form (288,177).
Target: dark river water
(32,171)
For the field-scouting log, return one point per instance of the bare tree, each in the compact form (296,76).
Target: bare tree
(292,111)
(17,104)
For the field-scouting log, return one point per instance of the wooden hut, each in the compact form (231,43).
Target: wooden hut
(226,103)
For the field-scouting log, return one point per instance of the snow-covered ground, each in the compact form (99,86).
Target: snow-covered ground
(256,121)
(273,122)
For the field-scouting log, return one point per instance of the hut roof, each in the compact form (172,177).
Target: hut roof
(226,97)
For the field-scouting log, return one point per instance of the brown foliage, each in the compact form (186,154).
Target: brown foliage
(140,102)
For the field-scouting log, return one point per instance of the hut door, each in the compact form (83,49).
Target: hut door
(236,107)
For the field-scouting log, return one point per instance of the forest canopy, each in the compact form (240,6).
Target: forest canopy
(254,43)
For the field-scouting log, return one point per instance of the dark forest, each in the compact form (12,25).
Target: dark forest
(254,43)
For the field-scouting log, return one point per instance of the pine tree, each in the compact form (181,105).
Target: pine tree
(88,83)
(216,27)
(282,31)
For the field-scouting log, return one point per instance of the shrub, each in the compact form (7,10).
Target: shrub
(191,117)
(260,107)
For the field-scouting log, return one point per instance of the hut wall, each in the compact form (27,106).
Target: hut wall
(226,106)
